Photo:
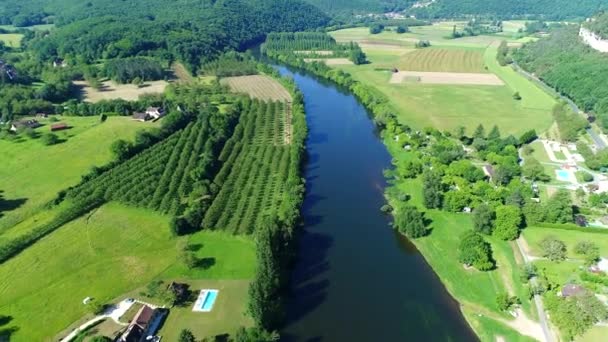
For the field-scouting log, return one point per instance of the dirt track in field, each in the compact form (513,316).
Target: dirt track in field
(446,78)
(330,61)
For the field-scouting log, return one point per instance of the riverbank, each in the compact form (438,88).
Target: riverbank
(475,291)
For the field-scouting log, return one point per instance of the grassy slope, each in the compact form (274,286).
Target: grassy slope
(35,173)
(447,107)
(105,254)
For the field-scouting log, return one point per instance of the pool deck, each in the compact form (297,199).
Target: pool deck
(198,304)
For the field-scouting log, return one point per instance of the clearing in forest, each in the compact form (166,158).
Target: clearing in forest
(259,87)
(446,78)
(11,39)
(111,91)
(443,60)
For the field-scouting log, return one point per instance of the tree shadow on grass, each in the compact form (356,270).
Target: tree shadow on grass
(205,263)
(10,204)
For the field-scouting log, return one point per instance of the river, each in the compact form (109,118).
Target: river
(355,278)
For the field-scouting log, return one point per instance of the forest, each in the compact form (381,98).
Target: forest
(532,9)
(193,32)
(571,67)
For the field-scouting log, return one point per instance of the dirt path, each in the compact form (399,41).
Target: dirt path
(287,124)
(446,78)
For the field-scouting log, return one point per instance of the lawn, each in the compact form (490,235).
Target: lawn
(490,330)
(11,39)
(105,255)
(227,314)
(32,173)
(534,235)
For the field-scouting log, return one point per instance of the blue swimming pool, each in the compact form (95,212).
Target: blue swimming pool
(563,175)
(209,300)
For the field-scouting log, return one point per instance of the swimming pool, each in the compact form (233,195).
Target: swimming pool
(205,301)
(563,175)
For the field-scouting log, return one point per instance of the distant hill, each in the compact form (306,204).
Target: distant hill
(546,9)
(361,6)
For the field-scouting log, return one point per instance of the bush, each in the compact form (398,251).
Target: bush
(475,251)
(401,29)
(50,139)
(553,248)
(516,96)
(589,250)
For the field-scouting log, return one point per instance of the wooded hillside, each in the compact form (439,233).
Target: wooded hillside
(571,67)
(548,9)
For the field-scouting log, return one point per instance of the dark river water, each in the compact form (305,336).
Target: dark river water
(355,278)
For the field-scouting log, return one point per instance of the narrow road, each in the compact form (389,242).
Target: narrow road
(542,315)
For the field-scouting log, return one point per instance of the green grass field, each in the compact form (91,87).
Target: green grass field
(106,254)
(445,106)
(534,235)
(11,39)
(32,173)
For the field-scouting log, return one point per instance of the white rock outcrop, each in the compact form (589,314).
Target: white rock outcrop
(593,40)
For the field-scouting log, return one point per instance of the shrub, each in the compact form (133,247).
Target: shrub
(553,248)
(475,251)
(50,139)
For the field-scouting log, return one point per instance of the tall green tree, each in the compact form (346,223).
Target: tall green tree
(508,222)
(559,207)
(410,222)
(266,302)
(475,251)
(432,189)
(483,219)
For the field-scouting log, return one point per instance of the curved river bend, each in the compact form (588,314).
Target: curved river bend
(356,279)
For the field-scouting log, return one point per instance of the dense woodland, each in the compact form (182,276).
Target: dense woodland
(571,67)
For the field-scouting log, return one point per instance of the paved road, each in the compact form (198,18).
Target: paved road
(542,315)
(599,142)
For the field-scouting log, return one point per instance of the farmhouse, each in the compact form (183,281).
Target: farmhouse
(22,124)
(570,290)
(152,113)
(59,127)
(144,324)
(59,63)
(155,112)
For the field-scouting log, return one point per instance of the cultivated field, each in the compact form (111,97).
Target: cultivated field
(111,90)
(11,39)
(104,255)
(330,61)
(445,78)
(258,86)
(443,60)
(32,173)
(447,106)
